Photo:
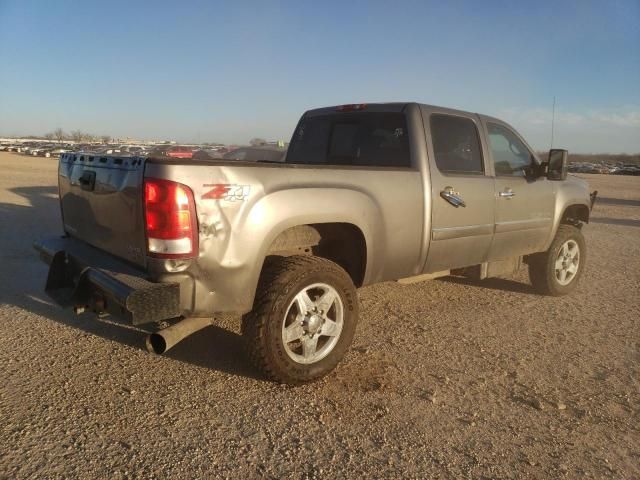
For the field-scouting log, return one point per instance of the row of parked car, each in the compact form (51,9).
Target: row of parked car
(608,169)
(268,153)
(43,149)
(37,149)
(265,153)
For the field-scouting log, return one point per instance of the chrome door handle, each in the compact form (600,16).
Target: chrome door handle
(508,193)
(452,197)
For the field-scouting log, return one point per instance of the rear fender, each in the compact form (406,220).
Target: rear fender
(232,255)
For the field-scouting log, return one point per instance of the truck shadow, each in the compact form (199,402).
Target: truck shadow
(626,222)
(502,284)
(618,201)
(23,276)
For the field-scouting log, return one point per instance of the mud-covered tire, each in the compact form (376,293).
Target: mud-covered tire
(281,280)
(542,266)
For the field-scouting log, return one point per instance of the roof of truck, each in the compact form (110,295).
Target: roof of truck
(386,107)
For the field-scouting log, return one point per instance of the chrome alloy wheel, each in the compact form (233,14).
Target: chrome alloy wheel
(567,262)
(313,323)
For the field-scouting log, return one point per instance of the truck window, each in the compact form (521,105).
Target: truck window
(510,154)
(362,138)
(456,144)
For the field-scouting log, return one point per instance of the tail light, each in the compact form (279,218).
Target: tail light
(170,219)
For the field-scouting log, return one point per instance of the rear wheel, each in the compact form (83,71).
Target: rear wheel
(303,320)
(557,271)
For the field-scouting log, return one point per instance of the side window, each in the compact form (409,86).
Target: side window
(510,155)
(456,145)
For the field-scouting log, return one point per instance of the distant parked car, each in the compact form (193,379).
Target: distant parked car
(175,151)
(14,147)
(108,150)
(40,149)
(133,149)
(255,154)
(209,153)
(27,148)
(55,151)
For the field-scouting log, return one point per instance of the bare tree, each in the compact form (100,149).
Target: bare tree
(59,134)
(49,136)
(256,142)
(77,135)
(105,138)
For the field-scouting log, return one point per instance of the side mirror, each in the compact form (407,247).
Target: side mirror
(558,164)
(534,169)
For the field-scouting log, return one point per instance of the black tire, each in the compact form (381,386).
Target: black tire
(281,280)
(542,270)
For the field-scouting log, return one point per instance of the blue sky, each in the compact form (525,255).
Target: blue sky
(228,71)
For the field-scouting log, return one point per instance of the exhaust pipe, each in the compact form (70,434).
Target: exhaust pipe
(162,340)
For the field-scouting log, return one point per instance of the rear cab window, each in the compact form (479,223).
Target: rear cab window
(378,139)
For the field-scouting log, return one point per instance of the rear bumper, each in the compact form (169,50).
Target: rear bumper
(82,276)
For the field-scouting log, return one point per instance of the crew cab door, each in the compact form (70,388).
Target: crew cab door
(524,205)
(462,193)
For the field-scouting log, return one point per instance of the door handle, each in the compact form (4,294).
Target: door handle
(508,193)
(452,197)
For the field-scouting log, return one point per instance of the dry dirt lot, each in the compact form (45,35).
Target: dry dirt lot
(446,379)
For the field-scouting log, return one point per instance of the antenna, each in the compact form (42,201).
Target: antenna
(553,120)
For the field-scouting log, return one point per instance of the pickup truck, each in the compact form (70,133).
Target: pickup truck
(366,193)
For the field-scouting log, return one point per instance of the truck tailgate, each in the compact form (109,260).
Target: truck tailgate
(101,202)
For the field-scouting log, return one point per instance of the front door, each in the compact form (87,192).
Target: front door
(524,206)
(462,194)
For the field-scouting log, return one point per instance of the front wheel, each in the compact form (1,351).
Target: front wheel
(303,320)
(557,271)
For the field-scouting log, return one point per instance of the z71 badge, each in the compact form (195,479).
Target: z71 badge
(229,192)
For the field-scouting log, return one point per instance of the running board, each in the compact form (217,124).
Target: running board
(424,277)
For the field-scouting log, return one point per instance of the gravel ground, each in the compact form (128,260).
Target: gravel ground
(446,379)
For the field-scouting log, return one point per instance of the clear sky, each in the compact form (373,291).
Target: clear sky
(229,71)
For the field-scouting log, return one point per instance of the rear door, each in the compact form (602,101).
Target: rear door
(462,192)
(524,206)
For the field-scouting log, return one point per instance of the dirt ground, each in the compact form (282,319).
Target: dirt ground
(446,379)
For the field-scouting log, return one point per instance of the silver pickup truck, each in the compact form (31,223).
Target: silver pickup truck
(367,193)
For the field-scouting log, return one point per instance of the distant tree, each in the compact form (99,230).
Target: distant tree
(77,135)
(49,136)
(256,142)
(59,134)
(105,138)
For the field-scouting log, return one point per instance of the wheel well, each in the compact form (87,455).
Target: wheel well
(342,243)
(574,214)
